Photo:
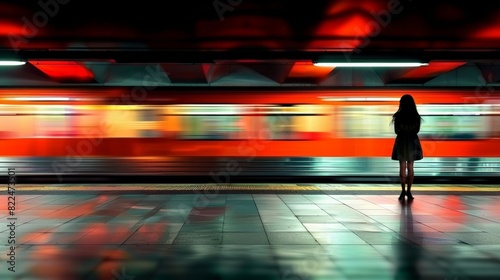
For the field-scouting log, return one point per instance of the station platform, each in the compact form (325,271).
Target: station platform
(251,231)
(257,188)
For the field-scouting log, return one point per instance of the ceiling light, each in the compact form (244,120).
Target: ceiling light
(39,99)
(370,64)
(361,99)
(11,62)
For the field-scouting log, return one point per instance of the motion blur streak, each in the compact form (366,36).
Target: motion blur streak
(317,130)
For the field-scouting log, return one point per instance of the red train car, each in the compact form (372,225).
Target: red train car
(135,122)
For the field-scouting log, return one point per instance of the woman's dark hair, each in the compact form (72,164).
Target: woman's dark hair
(407,112)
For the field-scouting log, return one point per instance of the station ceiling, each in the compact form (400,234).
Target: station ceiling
(249,43)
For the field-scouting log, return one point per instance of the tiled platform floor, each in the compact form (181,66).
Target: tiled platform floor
(253,236)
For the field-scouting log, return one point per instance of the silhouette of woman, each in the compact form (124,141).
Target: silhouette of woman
(407,148)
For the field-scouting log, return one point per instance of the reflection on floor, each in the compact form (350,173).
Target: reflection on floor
(251,236)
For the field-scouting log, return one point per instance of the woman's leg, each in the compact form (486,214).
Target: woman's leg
(402,177)
(410,179)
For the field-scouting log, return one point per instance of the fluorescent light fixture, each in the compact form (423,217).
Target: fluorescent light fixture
(11,63)
(39,99)
(370,64)
(361,99)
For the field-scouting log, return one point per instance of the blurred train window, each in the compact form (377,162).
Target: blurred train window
(27,121)
(455,121)
(17,122)
(149,114)
(279,122)
(243,121)
(121,121)
(208,127)
(209,122)
(280,126)
(149,121)
(366,121)
(440,121)
(298,122)
(495,122)
(237,121)
(53,121)
(88,120)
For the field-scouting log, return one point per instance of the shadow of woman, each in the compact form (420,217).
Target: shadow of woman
(408,250)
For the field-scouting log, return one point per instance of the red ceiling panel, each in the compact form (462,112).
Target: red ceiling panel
(65,71)
(306,72)
(12,21)
(424,73)
(432,70)
(489,32)
(8,28)
(348,25)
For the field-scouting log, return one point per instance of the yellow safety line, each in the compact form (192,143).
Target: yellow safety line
(258,187)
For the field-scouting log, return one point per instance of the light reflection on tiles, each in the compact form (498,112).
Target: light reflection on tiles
(169,236)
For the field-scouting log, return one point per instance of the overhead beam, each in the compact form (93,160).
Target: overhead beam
(264,56)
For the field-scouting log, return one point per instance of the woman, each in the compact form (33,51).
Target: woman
(407,148)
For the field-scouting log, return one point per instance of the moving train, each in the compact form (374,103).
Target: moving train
(254,132)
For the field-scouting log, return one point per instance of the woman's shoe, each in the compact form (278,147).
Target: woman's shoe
(402,195)
(410,197)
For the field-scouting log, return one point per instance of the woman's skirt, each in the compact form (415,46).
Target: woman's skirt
(407,148)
